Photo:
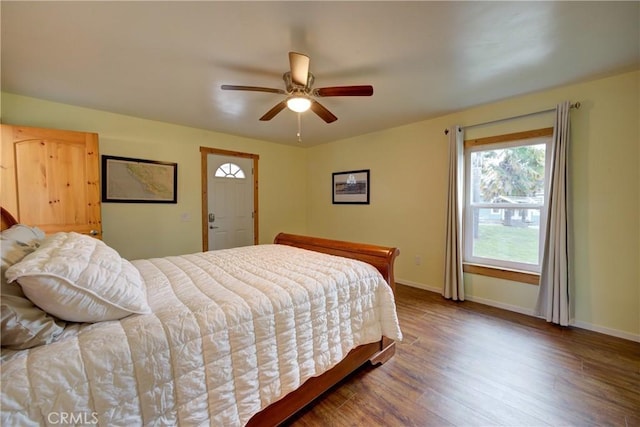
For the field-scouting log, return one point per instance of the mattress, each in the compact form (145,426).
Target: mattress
(230,332)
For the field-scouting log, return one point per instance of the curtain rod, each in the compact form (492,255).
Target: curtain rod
(576,106)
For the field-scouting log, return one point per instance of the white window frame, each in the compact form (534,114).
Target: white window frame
(230,170)
(468,257)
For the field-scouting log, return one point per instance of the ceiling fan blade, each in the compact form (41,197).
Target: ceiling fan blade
(365,90)
(252,88)
(299,64)
(272,112)
(321,111)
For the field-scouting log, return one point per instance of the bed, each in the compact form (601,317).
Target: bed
(246,336)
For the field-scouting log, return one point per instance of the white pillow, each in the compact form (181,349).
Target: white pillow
(22,324)
(80,279)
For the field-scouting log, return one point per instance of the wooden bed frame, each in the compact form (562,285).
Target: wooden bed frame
(376,353)
(7,220)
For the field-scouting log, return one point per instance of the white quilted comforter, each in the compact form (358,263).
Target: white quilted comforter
(231,332)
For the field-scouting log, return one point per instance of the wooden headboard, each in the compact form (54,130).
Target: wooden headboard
(7,219)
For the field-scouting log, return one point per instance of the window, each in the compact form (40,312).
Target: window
(229,170)
(505,196)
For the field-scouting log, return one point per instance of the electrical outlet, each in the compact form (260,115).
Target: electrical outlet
(418,260)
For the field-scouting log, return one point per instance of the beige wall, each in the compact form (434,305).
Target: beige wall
(151,230)
(408,185)
(408,198)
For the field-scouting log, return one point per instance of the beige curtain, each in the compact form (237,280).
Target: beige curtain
(553,294)
(453,281)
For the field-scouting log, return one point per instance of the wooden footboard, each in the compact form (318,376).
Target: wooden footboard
(379,352)
(381,257)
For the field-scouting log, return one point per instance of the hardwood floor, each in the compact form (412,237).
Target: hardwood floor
(467,364)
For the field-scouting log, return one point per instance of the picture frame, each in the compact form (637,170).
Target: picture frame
(351,187)
(131,180)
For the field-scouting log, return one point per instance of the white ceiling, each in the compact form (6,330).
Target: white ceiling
(166,60)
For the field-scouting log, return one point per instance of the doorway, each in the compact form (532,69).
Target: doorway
(229,198)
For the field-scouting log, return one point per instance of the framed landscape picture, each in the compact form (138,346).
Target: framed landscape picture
(351,187)
(128,180)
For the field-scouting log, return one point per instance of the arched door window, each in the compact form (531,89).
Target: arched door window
(229,170)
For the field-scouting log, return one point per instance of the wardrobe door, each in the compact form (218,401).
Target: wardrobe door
(51,179)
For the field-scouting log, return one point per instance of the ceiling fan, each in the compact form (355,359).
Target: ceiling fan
(300,93)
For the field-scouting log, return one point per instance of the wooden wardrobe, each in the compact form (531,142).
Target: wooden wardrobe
(50,179)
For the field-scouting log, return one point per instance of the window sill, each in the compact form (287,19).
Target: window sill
(502,273)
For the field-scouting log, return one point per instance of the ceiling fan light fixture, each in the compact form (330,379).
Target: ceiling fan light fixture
(299,91)
(299,104)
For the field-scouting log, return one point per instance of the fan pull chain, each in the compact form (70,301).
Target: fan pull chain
(299,129)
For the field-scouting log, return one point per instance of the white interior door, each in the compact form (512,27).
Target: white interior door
(230,201)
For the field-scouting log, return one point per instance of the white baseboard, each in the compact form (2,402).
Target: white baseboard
(419,286)
(529,312)
(607,331)
(498,304)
